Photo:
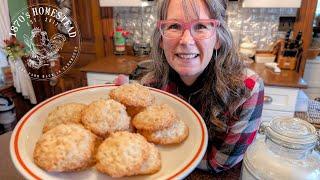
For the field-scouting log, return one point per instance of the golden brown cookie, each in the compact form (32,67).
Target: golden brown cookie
(122,154)
(175,134)
(67,147)
(134,96)
(64,114)
(153,162)
(105,116)
(155,117)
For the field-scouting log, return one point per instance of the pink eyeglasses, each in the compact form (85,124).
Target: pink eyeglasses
(199,29)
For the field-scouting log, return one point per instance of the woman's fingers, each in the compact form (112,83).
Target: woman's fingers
(121,79)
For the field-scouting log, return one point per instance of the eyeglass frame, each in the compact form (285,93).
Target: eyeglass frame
(186,26)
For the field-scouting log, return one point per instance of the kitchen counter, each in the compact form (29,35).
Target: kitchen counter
(286,78)
(125,64)
(122,64)
(8,171)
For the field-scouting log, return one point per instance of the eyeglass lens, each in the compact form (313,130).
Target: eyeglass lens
(199,30)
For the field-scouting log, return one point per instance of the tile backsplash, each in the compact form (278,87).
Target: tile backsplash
(137,20)
(259,24)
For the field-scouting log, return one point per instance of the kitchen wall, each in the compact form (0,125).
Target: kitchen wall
(259,24)
(139,21)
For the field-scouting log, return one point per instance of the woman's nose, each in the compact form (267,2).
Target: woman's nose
(187,38)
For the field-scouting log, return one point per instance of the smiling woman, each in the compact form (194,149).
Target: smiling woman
(195,58)
(187,52)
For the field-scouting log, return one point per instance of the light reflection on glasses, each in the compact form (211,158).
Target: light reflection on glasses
(199,29)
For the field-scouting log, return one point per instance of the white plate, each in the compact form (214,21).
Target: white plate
(177,160)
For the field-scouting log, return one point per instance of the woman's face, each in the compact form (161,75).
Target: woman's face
(187,56)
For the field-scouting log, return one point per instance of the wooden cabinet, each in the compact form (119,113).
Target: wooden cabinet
(304,24)
(87,15)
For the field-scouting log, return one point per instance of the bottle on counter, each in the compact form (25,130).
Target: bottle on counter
(119,38)
(287,38)
(298,40)
(286,152)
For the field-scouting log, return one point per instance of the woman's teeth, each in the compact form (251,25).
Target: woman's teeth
(187,56)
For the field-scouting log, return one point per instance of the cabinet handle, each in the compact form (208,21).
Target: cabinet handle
(267,100)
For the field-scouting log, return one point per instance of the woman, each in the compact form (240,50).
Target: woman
(195,59)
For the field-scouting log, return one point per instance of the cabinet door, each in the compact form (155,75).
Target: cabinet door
(87,16)
(280,98)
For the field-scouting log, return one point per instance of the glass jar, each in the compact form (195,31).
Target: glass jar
(286,152)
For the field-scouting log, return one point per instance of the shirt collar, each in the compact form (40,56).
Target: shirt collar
(184,89)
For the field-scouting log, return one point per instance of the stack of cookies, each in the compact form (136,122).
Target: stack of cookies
(134,96)
(160,124)
(127,154)
(77,136)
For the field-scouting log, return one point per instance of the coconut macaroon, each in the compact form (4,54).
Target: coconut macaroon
(155,117)
(122,154)
(67,147)
(134,96)
(105,116)
(64,114)
(153,163)
(175,134)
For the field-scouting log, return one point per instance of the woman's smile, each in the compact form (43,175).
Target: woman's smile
(187,59)
(187,55)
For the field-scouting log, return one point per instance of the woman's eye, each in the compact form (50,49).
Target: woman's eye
(200,27)
(174,26)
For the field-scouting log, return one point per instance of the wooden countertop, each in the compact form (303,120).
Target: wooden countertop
(286,78)
(125,64)
(122,64)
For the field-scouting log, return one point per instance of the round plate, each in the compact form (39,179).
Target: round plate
(177,160)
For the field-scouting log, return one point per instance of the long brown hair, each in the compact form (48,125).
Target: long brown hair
(224,87)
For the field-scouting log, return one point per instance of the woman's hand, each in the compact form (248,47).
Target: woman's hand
(121,79)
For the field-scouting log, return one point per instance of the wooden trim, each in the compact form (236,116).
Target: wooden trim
(107,24)
(74,10)
(97,29)
(304,23)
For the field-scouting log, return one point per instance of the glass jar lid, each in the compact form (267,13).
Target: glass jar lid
(292,132)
